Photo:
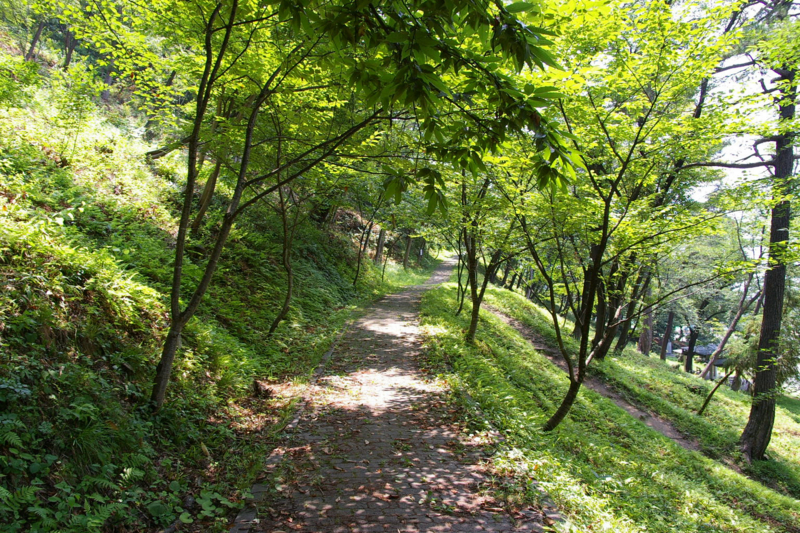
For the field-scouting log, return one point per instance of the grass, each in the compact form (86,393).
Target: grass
(87,226)
(604,469)
(676,396)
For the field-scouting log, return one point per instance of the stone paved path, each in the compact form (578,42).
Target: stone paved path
(376,449)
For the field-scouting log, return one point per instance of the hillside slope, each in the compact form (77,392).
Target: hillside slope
(87,226)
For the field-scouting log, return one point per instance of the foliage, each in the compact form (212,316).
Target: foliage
(85,237)
(605,470)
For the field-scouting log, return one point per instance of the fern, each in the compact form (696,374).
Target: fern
(10,438)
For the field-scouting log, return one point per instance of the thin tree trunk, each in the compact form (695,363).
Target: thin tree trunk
(288,238)
(510,286)
(642,282)
(576,331)
(472,281)
(178,317)
(506,272)
(667,338)
(35,41)
(563,409)
(694,332)
(600,315)
(645,343)
(407,253)
(462,289)
(206,197)
(363,242)
(711,394)
(732,327)
(70,43)
(379,247)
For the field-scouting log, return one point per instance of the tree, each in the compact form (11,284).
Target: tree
(631,122)
(359,65)
(778,53)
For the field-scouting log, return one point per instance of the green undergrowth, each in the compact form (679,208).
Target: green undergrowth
(87,230)
(677,396)
(606,470)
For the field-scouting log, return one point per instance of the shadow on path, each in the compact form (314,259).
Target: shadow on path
(378,447)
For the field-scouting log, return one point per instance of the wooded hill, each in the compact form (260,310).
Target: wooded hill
(195,196)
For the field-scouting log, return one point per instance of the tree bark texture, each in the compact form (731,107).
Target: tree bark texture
(407,253)
(667,337)
(694,332)
(645,343)
(379,246)
(758,431)
(34,42)
(205,198)
(566,405)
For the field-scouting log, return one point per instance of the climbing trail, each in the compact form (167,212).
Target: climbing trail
(377,447)
(657,423)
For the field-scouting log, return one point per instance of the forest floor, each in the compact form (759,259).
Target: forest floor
(663,426)
(379,446)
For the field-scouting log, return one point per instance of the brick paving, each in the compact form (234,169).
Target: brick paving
(377,448)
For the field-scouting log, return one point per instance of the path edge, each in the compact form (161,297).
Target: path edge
(248,515)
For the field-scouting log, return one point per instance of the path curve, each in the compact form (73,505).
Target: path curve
(377,448)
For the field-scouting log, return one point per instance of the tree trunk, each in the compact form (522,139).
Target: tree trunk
(288,239)
(287,266)
(70,43)
(205,198)
(758,431)
(363,242)
(694,332)
(576,331)
(510,286)
(600,318)
(407,253)
(506,272)
(711,394)
(642,282)
(667,338)
(379,247)
(563,409)
(732,327)
(472,281)
(645,343)
(35,42)
(164,368)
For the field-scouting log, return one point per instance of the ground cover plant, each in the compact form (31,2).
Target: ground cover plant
(677,396)
(86,229)
(606,470)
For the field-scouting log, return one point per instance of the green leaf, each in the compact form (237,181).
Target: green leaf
(397,37)
(174,486)
(520,7)
(186,518)
(157,509)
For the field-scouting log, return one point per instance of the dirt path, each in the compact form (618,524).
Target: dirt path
(377,448)
(652,421)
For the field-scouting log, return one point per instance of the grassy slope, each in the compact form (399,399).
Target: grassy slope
(606,470)
(86,233)
(677,396)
